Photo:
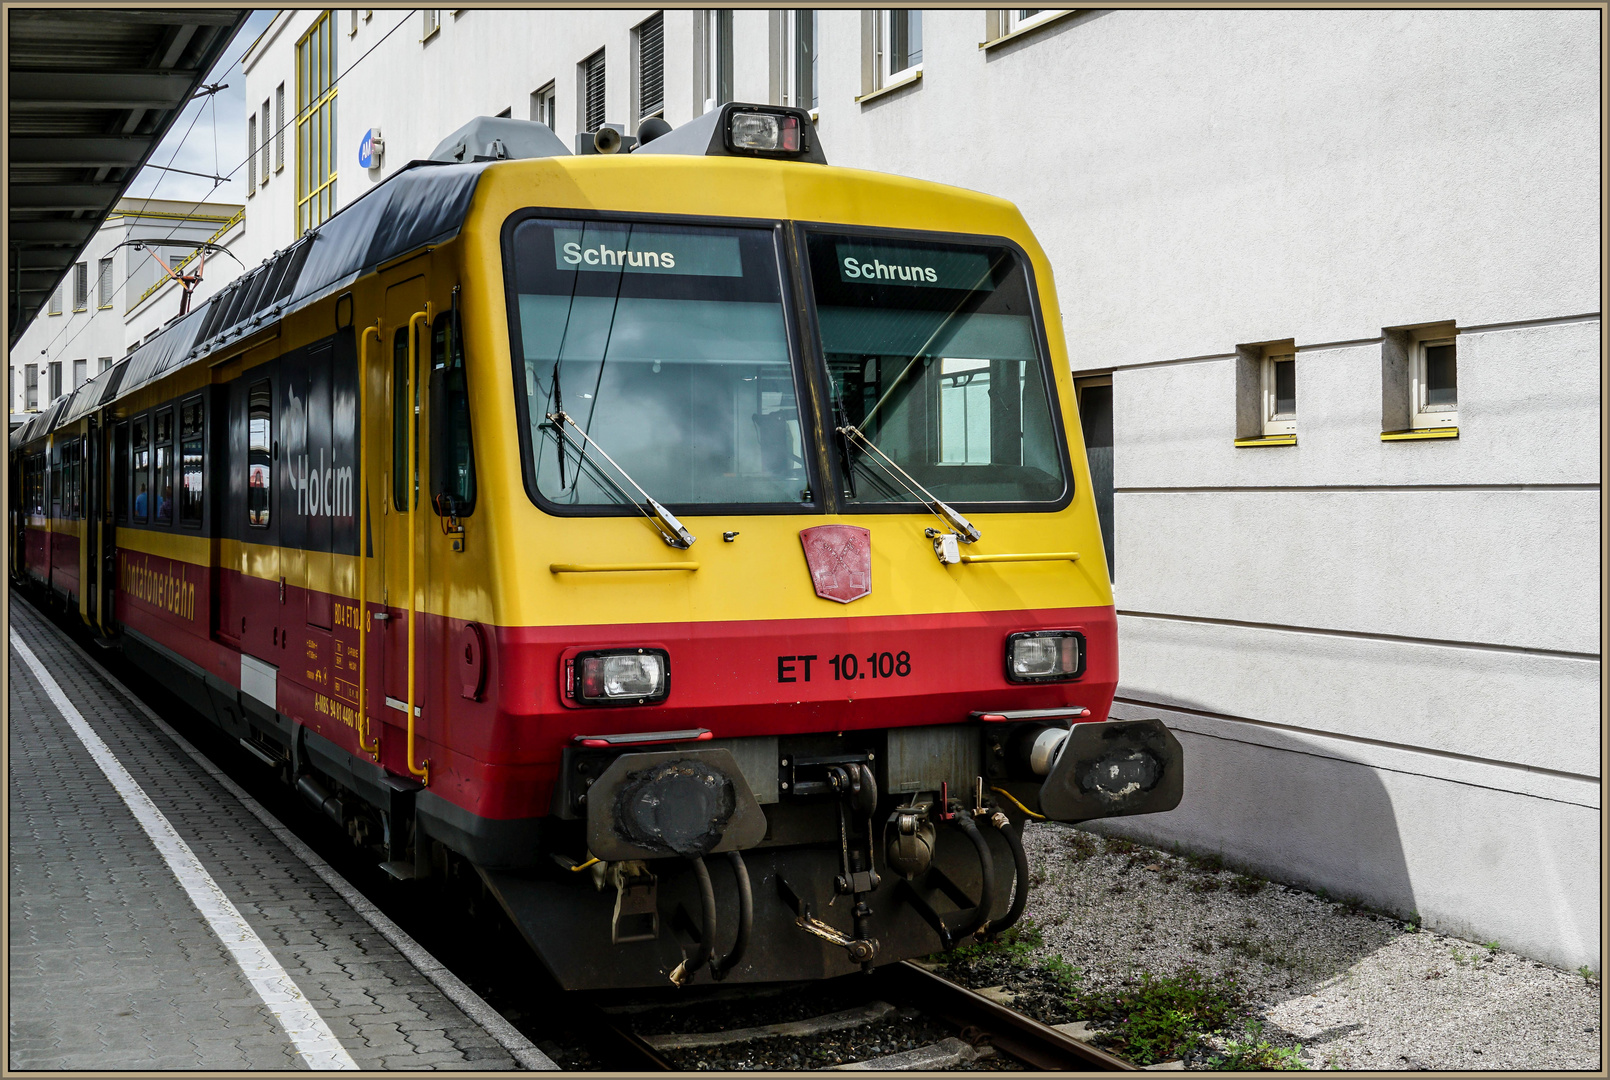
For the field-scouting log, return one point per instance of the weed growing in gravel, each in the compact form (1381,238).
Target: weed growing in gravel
(1160,1019)
(1247,885)
(1589,976)
(1255,1053)
(1206,864)
(1205,885)
(1491,947)
(1412,926)
(1081,846)
(1117,846)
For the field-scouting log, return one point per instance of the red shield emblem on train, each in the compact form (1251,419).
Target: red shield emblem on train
(840,558)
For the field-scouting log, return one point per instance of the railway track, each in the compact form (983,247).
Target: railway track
(935,1023)
(962,1029)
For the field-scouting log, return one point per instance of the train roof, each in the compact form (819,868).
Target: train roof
(423,203)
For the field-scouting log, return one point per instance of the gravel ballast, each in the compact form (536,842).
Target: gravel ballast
(1357,989)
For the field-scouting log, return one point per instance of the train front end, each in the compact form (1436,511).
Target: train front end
(795,591)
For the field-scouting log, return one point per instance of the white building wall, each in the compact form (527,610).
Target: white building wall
(1383,658)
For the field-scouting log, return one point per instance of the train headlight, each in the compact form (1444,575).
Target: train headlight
(1045,656)
(758,132)
(620,677)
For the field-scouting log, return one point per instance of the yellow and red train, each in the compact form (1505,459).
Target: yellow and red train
(571,518)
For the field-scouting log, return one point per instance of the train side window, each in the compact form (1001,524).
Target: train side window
(162,461)
(142,469)
(120,481)
(192,461)
(452,456)
(259,453)
(399,431)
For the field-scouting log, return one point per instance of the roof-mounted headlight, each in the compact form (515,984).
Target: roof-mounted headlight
(756,131)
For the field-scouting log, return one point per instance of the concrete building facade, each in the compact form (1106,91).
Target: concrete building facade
(117,295)
(1331,284)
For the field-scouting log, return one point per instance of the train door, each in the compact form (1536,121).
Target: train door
(93,485)
(399,489)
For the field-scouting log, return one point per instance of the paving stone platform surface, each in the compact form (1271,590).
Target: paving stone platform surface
(112,964)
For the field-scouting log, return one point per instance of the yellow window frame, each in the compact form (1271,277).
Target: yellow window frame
(315,124)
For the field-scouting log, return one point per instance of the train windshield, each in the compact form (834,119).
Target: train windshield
(667,346)
(932,354)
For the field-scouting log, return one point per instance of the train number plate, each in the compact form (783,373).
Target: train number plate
(844,667)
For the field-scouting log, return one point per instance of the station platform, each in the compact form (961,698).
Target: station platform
(161,919)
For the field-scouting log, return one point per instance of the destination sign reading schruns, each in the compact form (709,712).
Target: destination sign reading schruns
(640,251)
(867,265)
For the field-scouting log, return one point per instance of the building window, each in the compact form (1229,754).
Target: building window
(891,48)
(81,286)
(1279,391)
(103,284)
(259,454)
(432,24)
(803,94)
(55,302)
(30,387)
(80,372)
(590,115)
(1434,380)
(1266,394)
(251,154)
(544,107)
(192,458)
(715,59)
(265,142)
(352,22)
(315,125)
(648,62)
(279,128)
(55,377)
(106,364)
(903,44)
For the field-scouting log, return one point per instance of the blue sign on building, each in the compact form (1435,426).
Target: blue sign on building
(369,149)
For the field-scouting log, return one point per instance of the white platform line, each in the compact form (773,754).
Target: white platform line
(522,1049)
(312,1037)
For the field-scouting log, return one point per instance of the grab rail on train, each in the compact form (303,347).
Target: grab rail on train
(363,547)
(422,770)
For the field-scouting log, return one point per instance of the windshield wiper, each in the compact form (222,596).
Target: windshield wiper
(966,531)
(670,528)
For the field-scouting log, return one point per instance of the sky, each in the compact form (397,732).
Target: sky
(209,136)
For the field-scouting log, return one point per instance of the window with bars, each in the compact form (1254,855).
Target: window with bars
(649,80)
(592,97)
(103,285)
(81,286)
(30,387)
(55,302)
(251,154)
(279,128)
(315,125)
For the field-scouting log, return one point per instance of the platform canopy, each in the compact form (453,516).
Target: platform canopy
(92,94)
